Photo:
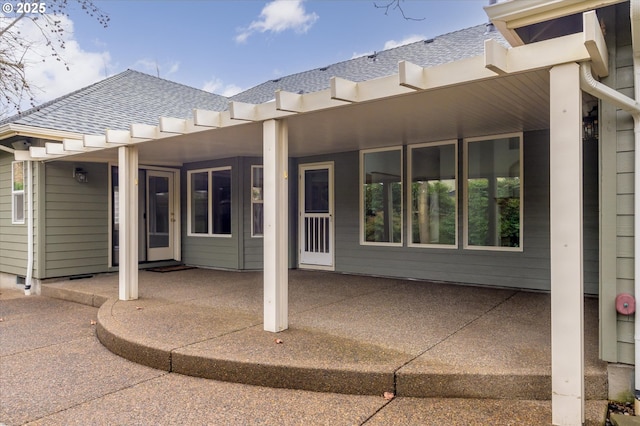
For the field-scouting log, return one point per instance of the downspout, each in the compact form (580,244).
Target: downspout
(29,191)
(606,93)
(635,44)
(601,91)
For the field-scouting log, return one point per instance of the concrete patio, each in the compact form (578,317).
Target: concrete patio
(348,334)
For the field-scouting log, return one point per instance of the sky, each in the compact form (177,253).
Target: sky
(226,46)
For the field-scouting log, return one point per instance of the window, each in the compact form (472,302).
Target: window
(381,197)
(17,192)
(433,195)
(493,199)
(209,202)
(257,202)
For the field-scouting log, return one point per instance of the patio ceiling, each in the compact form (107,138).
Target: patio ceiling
(502,104)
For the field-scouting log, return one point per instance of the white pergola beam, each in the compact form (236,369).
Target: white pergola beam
(54,148)
(595,43)
(173,125)
(534,56)
(96,141)
(567,321)
(412,75)
(495,57)
(128,215)
(206,118)
(344,90)
(119,137)
(243,111)
(276,224)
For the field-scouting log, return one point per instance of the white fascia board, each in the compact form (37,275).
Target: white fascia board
(10,130)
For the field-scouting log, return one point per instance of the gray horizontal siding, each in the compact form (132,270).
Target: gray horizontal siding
(209,251)
(13,237)
(526,269)
(76,220)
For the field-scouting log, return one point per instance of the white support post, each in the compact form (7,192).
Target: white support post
(567,321)
(276,220)
(128,221)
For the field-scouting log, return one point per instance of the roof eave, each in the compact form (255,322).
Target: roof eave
(11,129)
(511,15)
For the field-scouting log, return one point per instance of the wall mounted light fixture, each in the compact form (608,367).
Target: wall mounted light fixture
(80,175)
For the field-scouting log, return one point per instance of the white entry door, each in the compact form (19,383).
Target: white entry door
(160,215)
(316,216)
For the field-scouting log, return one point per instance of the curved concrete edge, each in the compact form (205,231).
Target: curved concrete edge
(84,298)
(341,381)
(491,386)
(114,337)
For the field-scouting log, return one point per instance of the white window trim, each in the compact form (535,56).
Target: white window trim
(209,172)
(361,207)
(465,203)
(14,193)
(453,142)
(253,167)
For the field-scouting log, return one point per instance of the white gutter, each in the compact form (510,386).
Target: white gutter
(29,191)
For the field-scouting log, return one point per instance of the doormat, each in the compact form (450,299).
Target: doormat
(171,268)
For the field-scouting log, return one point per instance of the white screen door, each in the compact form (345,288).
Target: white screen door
(160,215)
(316,215)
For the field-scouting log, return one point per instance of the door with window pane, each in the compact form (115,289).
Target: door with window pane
(316,216)
(160,215)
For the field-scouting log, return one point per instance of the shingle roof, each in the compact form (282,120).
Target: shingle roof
(117,102)
(442,49)
(135,97)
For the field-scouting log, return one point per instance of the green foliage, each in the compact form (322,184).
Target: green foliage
(376,214)
(441,215)
(499,214)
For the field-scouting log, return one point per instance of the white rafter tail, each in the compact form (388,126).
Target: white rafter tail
(243,111)
(118,137)
(595,44)
(54,148)
(74,145)
(288,101)
(94,141)
(23,155)
(173,125)
(139,132)
(412,75)
(40,152)
(344,90)
(495,57)
(206,118)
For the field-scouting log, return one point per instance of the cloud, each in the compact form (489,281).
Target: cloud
(278,16)
(152,67)
(390,44)
(49,77)
(407,40)
(215,85)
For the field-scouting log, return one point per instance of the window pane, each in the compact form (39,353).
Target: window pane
(18,207)
(18,175)
(433,195)
(493,193)
(221,201)
(200,203)
(257,214)
(382,177)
